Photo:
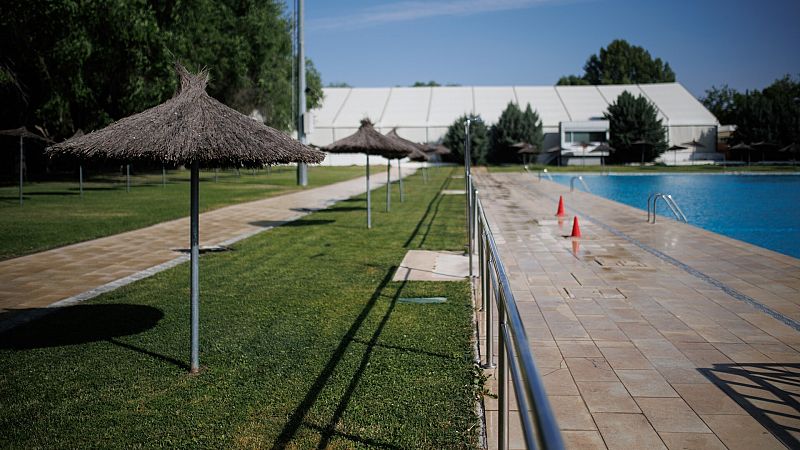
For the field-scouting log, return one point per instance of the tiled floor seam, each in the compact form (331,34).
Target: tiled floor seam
(692,271)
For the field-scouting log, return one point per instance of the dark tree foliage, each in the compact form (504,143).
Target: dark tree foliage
(339,84)
(771,115)
(622,63)
(425,84)
(572,80)
(66,64)
(456,136)
(512,127)
(633,119)
(720,102)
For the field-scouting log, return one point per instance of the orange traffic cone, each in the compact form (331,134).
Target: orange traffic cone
(560,212)
(576,229)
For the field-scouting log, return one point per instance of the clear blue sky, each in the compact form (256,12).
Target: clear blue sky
(746,44)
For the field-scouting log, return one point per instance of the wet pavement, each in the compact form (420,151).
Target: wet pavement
(648,335)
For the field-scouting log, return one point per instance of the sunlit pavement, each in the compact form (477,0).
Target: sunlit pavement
(648,336)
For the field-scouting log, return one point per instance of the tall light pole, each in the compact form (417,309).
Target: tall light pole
(302,168)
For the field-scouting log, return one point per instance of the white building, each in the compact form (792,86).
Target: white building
(569,115)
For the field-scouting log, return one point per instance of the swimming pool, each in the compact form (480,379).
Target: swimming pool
(763,210)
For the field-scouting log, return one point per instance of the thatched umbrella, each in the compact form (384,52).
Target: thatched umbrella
(191,129)
(764,147)
(694,144)
(792,148)
(675,149)
(23,134)
(525,149)
(603,147)
(415,151)
(641,143)
(742,147)
(370,142)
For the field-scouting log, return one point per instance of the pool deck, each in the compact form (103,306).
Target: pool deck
(648,336)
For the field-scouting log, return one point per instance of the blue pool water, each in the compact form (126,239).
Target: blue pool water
(763,210)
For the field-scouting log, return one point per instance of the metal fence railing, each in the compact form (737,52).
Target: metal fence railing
(515,360)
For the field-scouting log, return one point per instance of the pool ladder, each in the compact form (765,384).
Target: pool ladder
(579,178)
(671,204)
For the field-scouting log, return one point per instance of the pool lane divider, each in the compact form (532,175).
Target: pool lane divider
(788,321)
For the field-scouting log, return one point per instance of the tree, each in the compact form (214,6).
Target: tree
(571,80)
(512,127)
(455,138)
(532,132)
(424,84)
(622,63)
(720,102)
(633,119)
(771,115)
(339,84)
(107,60)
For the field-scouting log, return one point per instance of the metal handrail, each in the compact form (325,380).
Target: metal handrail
(544,171)
(671,204)
(515,359)
(579,178)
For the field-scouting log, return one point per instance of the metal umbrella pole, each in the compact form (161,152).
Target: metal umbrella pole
(388,184)
(369,198)
(127,177)
(21,156)
(400,179)
(194,280)
(468,190)
(80,178)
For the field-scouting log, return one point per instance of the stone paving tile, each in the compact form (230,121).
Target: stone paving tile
(671,415)
(607,396)
(40,279)
(741,432)
(641,338)
(691,441)
(627,431)
(583,440)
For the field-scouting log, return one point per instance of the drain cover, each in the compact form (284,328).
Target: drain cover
(423,300)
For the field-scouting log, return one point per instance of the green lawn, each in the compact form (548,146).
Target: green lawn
(304,344)
(644,169)
(54,213)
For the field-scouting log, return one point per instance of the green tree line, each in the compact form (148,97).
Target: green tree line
(771,115)
(80,64)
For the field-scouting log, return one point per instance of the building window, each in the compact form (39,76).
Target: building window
(584,136)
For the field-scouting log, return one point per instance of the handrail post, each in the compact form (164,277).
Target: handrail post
(470,206)
(502,379)
(487,314)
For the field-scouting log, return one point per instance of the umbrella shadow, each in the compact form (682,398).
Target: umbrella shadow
(770,393)
(82,324)
(296,420)
(433,208)
(51,193)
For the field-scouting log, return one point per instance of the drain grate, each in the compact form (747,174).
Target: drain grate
(422,300)
(610,261)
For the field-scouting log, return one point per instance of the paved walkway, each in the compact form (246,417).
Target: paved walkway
(83,270)
(649,336)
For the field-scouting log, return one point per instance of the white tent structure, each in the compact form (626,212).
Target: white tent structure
(423,114)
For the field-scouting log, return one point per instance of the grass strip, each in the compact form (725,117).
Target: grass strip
(54,214)
(303,344)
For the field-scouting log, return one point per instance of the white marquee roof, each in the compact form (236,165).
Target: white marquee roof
(437,107)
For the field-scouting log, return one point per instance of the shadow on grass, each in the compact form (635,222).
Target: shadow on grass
(433,206)
(770,393)
(328,432)
(83,324)
(78,324)
(52,193)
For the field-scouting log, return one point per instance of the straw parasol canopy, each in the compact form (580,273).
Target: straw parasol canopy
(23,133)
(369,141)
(416,150)
(193,129)
(438,149)
(525,148)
